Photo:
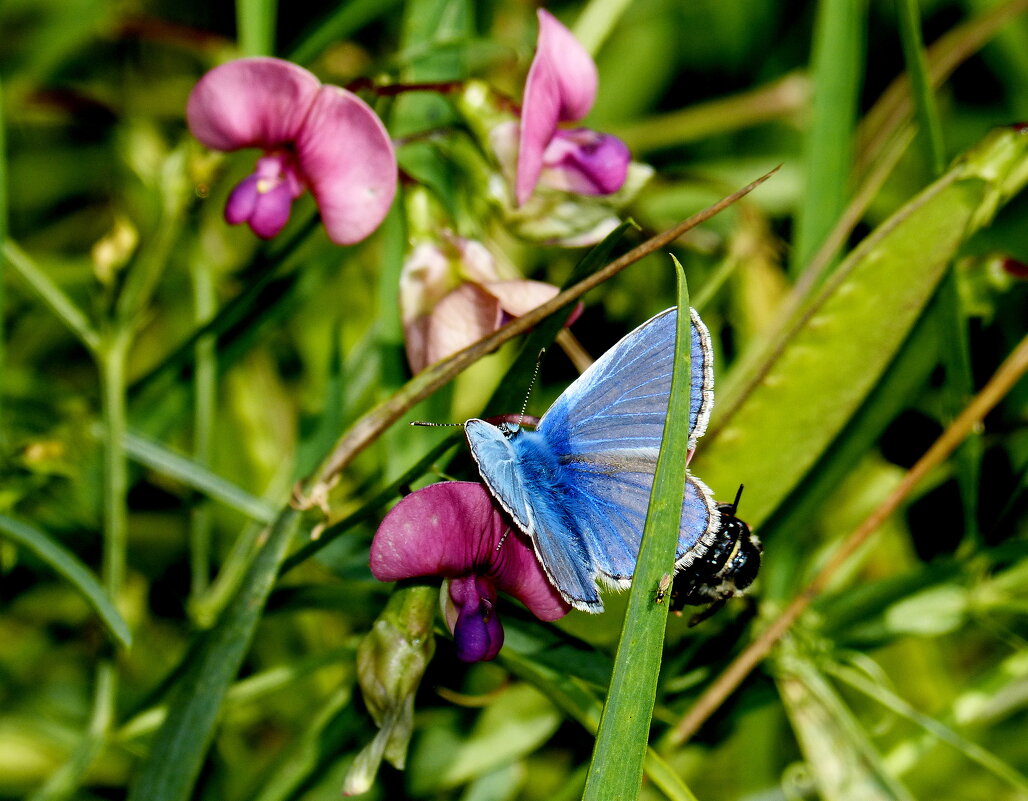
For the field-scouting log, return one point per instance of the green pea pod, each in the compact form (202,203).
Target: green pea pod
(834,355)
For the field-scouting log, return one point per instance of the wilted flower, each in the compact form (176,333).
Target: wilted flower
(561,87)
(452,295)
(451,289)
(453,530)
(314,136)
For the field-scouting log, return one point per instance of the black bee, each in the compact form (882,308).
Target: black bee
(727,568)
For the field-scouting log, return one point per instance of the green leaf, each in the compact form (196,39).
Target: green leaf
(836,748)
(163,460)
(621,743)
(67,565)
(818,376)
(179,747)
(516,723)
(837,73)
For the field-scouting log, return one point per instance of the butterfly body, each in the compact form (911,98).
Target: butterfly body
(579,485)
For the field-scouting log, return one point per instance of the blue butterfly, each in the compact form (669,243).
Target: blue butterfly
(579,485)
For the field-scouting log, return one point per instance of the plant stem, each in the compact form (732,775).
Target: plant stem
(255,25)
(926,112)
(111,357)
(204,402)
(3,270)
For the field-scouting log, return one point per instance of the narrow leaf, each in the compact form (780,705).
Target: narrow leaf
(68,566)
(180,745)
(617,764)
(836,72)
(163,460)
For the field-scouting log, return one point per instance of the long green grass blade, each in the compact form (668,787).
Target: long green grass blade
(926,110)
(167,462)
(69,567)
(836,73)
(180,745)
(617,765)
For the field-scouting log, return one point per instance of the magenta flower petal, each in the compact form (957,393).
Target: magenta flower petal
(561,86)
(348,160)
(452,529)
(250,102)
(586,162)
(477,631)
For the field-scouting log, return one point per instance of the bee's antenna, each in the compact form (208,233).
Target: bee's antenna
(735,503)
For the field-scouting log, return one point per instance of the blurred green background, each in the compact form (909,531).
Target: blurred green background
(157,455)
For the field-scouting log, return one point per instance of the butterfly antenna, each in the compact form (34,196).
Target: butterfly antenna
(735,503)
(433,425)
(531,384)
(503,539)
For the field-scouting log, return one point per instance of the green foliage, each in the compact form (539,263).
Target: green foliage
(199,432)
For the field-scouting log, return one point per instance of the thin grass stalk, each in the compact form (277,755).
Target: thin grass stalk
(3,263)
(255,25)
(836,71)
(205,393)
(1003,380)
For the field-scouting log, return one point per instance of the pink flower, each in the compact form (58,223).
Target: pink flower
(453,530)
(451,295)
(315,137)
(561,87)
